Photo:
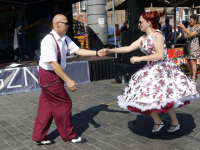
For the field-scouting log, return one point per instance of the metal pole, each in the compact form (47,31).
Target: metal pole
(113,8)
(174,24)
(95,12)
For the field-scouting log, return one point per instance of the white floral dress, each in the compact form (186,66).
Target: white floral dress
(158,86)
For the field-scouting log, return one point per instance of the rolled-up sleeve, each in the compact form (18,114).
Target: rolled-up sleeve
(48,49)
(72,47)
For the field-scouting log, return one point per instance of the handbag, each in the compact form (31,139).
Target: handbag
(186,48)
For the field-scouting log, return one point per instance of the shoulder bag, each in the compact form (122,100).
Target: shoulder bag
(186,48)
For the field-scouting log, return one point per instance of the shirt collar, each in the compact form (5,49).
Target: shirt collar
(57,37)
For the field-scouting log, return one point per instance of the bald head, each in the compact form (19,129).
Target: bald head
(60,24)
(58,18)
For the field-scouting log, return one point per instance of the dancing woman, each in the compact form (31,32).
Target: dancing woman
(160,86)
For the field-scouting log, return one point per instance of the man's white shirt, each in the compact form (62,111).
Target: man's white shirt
(49,50)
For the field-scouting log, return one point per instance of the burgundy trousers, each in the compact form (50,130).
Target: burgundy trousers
(54,103)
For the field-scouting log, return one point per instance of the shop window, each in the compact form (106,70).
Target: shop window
(187,14)
(74,8)
(82,6)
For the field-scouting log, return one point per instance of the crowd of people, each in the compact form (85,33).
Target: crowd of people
(186,31)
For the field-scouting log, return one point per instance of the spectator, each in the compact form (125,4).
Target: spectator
(124,28)
(191,33)
(167,29)
(181,38)
(172,36)
(117,30)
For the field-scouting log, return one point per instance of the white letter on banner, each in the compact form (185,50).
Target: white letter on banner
(25,77)
(1,80)
(17,70)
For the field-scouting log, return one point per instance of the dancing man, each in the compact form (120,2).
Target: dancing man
(54,101)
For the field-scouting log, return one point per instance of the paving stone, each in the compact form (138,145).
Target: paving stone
(90,140)
(124,139)
(70,146)
(24,128)
(4,145)
(158,145)
(137,138)
(118,130)
(102,137)
(8,148)
(86,146)
(21,136)
(31,145)
(4,123)
(14,143)
(80,130)
(141,146)
(11,129)
(23,148)
(104,146)
(5,135)
(193,145)
(51,147)
(120,145)
(180,144)
(104,131)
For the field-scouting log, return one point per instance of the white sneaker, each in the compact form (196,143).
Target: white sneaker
(25,56)
(15,58)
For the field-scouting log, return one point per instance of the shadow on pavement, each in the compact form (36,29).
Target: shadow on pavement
(82,120)
(143,125)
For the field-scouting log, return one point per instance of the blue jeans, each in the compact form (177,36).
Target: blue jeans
(22,44)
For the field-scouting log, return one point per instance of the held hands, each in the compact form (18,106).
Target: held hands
(105,51)
(71,85)
(101,52)
(135,59)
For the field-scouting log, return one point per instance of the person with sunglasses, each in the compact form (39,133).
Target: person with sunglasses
(54,101)
(160,86)
(191,33)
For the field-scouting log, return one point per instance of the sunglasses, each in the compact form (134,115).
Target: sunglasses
(140,22)
(66,23)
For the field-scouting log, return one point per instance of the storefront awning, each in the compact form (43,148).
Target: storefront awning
(117,2)
(122,4)
(28,2)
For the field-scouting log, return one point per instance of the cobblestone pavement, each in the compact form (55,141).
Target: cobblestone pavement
(98,118)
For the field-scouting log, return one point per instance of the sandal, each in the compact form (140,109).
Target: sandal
(194,80)
(175,128)
(190,76)
(159,127)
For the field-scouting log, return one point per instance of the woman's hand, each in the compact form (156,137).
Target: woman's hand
(135,59)
(102,52)
(181,25)
(106,51)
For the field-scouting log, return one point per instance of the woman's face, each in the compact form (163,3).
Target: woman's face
(117,26)
(193,22)
(143,24)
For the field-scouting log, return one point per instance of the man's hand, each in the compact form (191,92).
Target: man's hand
(105,51)
(135,59)
(101,52)
(71,85)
